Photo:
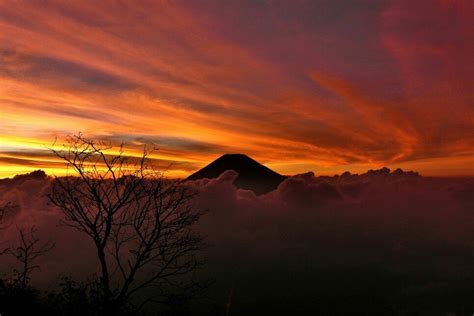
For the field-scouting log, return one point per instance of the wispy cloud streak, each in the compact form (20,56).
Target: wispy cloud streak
(312,85)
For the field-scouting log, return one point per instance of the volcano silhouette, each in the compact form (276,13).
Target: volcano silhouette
(252,175)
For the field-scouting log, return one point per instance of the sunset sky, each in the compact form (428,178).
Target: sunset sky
(326,86)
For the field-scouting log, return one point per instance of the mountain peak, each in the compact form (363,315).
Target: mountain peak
(252,175)
(234,156)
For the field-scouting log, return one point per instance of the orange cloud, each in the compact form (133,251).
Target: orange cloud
(354,88)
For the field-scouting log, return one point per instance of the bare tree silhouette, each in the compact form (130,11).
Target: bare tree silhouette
(17,295)
(27,252)
(139,222)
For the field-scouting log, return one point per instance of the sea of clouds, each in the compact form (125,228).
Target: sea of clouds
(346,233)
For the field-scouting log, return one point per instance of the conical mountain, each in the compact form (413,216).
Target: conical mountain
(252,175)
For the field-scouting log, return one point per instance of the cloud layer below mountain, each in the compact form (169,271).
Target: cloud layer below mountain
(306,234)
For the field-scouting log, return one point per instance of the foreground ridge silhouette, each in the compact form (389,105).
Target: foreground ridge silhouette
(252,175)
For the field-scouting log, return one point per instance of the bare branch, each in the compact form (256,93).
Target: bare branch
(26,253)
(140,222)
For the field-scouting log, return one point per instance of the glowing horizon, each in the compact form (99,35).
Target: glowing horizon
(314,86)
